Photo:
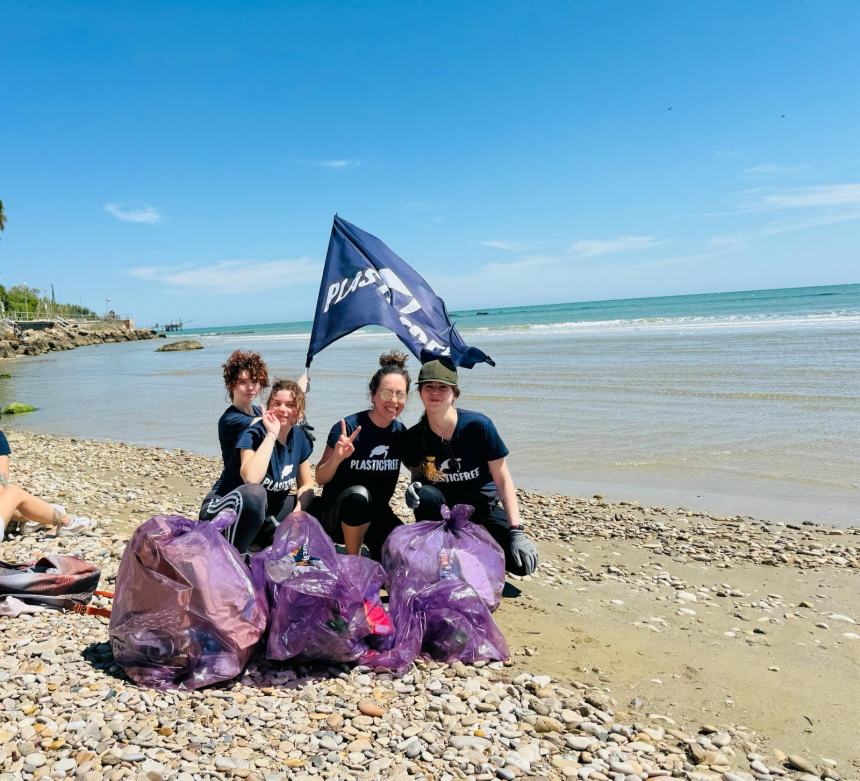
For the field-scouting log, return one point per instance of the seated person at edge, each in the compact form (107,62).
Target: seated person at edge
(457,457)
(361,462)
(21,509)
(245,375)
(270,459)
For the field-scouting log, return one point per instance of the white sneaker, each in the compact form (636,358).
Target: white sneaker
(77,523)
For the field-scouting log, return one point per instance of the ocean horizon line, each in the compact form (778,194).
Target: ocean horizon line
(642,310)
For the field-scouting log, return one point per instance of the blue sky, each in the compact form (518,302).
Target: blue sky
(185,159)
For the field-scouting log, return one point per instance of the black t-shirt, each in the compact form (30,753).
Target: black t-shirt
(232,423)
(463,461)
(283,469)
(375,464)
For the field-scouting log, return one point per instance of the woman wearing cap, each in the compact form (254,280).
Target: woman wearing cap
(361,462)
(457,457)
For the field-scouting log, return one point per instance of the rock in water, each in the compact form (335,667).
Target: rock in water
(180,345)
(16,408)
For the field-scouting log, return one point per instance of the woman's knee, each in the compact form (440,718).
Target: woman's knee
(352,506)
(253,496)
(430,504)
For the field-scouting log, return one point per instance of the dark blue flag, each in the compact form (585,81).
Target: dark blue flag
(365,283)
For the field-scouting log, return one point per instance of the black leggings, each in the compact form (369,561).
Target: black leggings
(252,525)
(354,506)
(491,516)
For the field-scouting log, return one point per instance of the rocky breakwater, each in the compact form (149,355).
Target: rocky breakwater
(16,341)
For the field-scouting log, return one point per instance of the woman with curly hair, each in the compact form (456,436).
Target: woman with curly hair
(245,375)
(361,462)
(267,473)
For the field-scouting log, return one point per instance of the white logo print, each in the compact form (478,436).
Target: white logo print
(451,464)
(380,451)
(286,470)
(387,283)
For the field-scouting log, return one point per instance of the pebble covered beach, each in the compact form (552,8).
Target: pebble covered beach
(651,643)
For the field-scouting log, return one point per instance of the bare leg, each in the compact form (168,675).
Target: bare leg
(353,537)
(14,498)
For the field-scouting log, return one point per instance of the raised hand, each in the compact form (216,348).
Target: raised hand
(344,447)
(271,422)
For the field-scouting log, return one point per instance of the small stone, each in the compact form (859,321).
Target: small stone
(548,724)
(801,763)
(369,708)
(34,760)
(461,742)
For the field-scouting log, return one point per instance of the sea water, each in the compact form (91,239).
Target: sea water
(731,402)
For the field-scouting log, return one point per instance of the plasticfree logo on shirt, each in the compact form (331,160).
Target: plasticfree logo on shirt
(280,485)
(376,461)
(451,467)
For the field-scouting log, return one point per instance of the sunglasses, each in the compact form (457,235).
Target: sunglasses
(390,395)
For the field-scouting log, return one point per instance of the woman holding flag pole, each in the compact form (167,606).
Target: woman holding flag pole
(458,453)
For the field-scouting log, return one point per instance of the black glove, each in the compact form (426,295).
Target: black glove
(308,428)
(523,550)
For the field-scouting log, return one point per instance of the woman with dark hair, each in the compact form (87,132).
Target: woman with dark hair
(361,462)
(459,458)
(245,375)
(267,474)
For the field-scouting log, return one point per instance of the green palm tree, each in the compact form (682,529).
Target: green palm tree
(2,218)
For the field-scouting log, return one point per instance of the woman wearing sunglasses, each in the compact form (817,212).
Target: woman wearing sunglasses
(361,462)
(457,457)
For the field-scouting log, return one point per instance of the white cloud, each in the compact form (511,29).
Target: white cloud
(589,248)
(820,196)
(148,214)
(775,168)
(737,240)
(504,246)
(552,278)
(336,164)
(233,276)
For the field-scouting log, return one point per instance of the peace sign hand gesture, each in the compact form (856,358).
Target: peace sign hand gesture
(344,447)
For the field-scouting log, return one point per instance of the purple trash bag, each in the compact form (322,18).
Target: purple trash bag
(185,612)
(324,607)
(451,548)
(447,620)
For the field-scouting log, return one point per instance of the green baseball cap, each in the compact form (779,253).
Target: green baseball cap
(438,371)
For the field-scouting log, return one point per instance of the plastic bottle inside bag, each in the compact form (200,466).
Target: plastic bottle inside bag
(449,567)
(280,570)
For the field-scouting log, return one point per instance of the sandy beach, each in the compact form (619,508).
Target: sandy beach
(652,642)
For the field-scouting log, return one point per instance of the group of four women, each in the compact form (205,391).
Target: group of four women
(455,457)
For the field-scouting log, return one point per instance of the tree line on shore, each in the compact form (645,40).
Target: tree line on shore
(21,298)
